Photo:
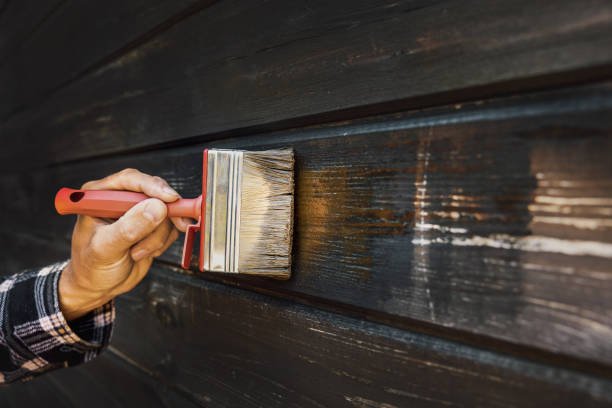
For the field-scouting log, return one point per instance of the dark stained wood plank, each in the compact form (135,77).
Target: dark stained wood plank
(216,346)
(234,348)
(490,219)
(265,64)
(105,382)
(22,250)
(15,397)
(78,38)
(19,20)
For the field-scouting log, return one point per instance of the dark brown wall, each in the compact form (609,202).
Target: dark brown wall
(453,238)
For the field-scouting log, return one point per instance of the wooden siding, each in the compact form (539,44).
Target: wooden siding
(453,240)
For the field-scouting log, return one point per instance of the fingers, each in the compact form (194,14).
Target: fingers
(174,234)
(144,252)
(114,240)
(181,223)
(134,180)
(85,228)
(156,243)
(89,224)
(138,272)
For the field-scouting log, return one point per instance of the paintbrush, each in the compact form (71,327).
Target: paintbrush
(245,212)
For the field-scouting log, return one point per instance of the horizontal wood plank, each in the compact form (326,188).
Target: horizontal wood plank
(256,65)
(79,38)
(234,348)
(491,218)
(106,382)
(19,21)
(22,250)
(180,342)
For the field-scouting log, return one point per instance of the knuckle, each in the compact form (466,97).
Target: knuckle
(158,244)
(159,182)
(95,249)
(158,251)
(128,173)
(153,248)
(128,232)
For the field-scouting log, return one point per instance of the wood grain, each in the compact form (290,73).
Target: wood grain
(491,219)
(77,39)
(273,64)
(234,348)
(19,21)
(24,250)
(458,254)
(106,382)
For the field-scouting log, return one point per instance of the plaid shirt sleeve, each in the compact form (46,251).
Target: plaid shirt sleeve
(34,335)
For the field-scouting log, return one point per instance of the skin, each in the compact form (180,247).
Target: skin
(110,257)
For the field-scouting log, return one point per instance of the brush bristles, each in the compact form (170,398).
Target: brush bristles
(266,215)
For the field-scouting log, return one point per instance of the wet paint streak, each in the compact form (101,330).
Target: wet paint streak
(580,223)
(421,253)
(530,244)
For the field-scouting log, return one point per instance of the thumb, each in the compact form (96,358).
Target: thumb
(114,240)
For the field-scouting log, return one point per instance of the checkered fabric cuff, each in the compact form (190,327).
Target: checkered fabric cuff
(34,335)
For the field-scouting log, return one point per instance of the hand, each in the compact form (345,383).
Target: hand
(110,258)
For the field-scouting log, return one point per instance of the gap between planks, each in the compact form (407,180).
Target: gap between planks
(368,118)
(491,344)
(110,58)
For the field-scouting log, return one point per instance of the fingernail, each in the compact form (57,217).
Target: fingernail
(170,191)
(139,254)
(154,210)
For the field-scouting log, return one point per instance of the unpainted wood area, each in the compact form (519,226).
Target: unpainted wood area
(238,65)
(488,219)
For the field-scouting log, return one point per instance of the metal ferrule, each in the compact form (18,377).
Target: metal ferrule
(222,219)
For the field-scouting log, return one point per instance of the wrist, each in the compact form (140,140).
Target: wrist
(75,300)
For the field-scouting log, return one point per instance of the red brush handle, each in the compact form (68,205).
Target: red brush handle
(113,204)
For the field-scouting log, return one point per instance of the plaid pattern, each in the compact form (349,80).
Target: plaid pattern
(34,335)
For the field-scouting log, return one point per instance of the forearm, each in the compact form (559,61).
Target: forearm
(107,260)
(35,335)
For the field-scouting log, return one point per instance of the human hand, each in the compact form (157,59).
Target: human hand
(110,257)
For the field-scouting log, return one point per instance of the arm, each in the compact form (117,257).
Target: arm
(62,315)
